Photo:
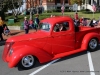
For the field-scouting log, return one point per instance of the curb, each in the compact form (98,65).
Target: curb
(15,28)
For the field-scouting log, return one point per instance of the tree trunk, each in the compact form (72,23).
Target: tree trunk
(15,13)
(31,9)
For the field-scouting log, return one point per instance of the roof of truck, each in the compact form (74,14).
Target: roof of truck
(57,19)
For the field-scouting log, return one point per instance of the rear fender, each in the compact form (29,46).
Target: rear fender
(17,55)
(87,38)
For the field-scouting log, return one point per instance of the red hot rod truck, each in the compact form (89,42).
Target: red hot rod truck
(57,37)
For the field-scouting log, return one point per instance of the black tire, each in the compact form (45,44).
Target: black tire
(93,44)
(27,62)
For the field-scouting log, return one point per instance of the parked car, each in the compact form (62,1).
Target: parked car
(57,37)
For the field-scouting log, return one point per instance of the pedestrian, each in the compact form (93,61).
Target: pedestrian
(77,22)
(26,25)
(31,22)
(1,28)
(36,21)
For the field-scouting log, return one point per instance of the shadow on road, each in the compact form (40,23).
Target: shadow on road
(15,33)
(2,43)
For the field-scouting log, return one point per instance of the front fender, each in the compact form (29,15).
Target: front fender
(17,55)
(87,38)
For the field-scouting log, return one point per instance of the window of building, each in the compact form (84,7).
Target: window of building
(66,1)
(58,1)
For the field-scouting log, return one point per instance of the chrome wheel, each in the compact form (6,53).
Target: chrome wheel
(27,61)
(93,44)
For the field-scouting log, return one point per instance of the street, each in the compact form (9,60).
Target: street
(77,64)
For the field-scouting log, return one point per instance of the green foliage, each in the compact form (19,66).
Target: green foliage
(79,2)
(7,4)
(46,15)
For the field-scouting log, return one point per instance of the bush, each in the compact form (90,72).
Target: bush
(49,11)
(67,10)
(87,10)
(82,10)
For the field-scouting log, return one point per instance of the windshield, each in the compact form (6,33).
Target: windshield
(44,26)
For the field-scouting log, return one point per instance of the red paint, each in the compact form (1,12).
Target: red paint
(49,45)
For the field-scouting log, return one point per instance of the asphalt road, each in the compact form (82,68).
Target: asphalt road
(77,64)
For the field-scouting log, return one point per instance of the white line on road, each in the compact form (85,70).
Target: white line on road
(92,72)
(44,67)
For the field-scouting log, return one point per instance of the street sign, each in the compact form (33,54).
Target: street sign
(75,7)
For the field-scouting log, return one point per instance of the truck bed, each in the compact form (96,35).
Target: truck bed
(83,30)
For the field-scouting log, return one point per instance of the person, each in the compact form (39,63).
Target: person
(6,30)
(76,16)
(31,23)
(92,23)
(62,27)
(1,28)
(36,21)
(26,25)
(98,24)
(51,15)
(84,22)
(56,28)
(81,20)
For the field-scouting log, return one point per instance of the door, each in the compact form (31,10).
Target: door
(63,38)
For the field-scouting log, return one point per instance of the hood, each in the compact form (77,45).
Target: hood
(30,36)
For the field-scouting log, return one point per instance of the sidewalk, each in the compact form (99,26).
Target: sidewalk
(16,33)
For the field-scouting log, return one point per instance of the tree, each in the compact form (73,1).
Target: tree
(10,5)
(31,4)
(79,2)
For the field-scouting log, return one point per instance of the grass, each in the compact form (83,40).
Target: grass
(46,15)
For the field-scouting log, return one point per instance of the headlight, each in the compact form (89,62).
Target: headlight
(10,51)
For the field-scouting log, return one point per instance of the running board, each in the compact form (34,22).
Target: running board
(68,53)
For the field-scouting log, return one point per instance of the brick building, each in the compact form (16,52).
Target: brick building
(47,4)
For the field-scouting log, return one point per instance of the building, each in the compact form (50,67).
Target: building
(56,4)
(88,4)
(47,4)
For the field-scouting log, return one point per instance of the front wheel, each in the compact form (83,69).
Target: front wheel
(93,44)
(27,62)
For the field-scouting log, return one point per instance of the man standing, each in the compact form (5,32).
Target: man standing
(36,21)
(76,16)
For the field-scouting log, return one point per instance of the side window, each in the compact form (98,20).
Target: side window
(64,26)
(56,28)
